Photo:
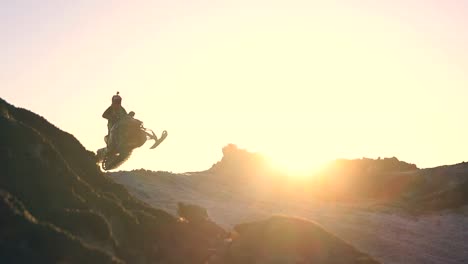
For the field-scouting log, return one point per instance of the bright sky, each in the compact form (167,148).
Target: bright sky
(303,82)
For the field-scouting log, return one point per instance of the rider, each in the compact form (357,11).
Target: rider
(114,112)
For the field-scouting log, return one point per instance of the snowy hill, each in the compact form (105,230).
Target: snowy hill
(386,226)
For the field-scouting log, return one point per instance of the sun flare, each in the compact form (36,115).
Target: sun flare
(295,166)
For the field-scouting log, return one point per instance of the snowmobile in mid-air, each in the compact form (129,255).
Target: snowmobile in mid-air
(125,136)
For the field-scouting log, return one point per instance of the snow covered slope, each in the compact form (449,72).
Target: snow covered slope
(387,234)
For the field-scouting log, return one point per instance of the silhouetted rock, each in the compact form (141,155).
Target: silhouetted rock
(444,187)
(196,217)
(239,164)
(289,240)
(383,180)
(25,239)
(367,165)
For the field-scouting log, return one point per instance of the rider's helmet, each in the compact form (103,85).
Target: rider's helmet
(116,99)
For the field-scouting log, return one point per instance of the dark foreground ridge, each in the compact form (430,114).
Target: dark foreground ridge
(290,240)
(56,206)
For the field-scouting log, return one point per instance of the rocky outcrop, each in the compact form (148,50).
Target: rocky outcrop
(240,164)
(289,240)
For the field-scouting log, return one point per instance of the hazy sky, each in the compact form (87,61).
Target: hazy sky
(301,81)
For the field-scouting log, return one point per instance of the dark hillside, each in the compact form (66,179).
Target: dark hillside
(57,205)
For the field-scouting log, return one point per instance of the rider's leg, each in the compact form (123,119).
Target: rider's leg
(107,138)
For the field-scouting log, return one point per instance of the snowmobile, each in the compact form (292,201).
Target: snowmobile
(125,136)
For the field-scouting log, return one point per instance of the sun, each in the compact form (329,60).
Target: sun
(295,166)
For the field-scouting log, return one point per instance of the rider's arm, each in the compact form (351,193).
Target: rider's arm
(123,110)
(107,114)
